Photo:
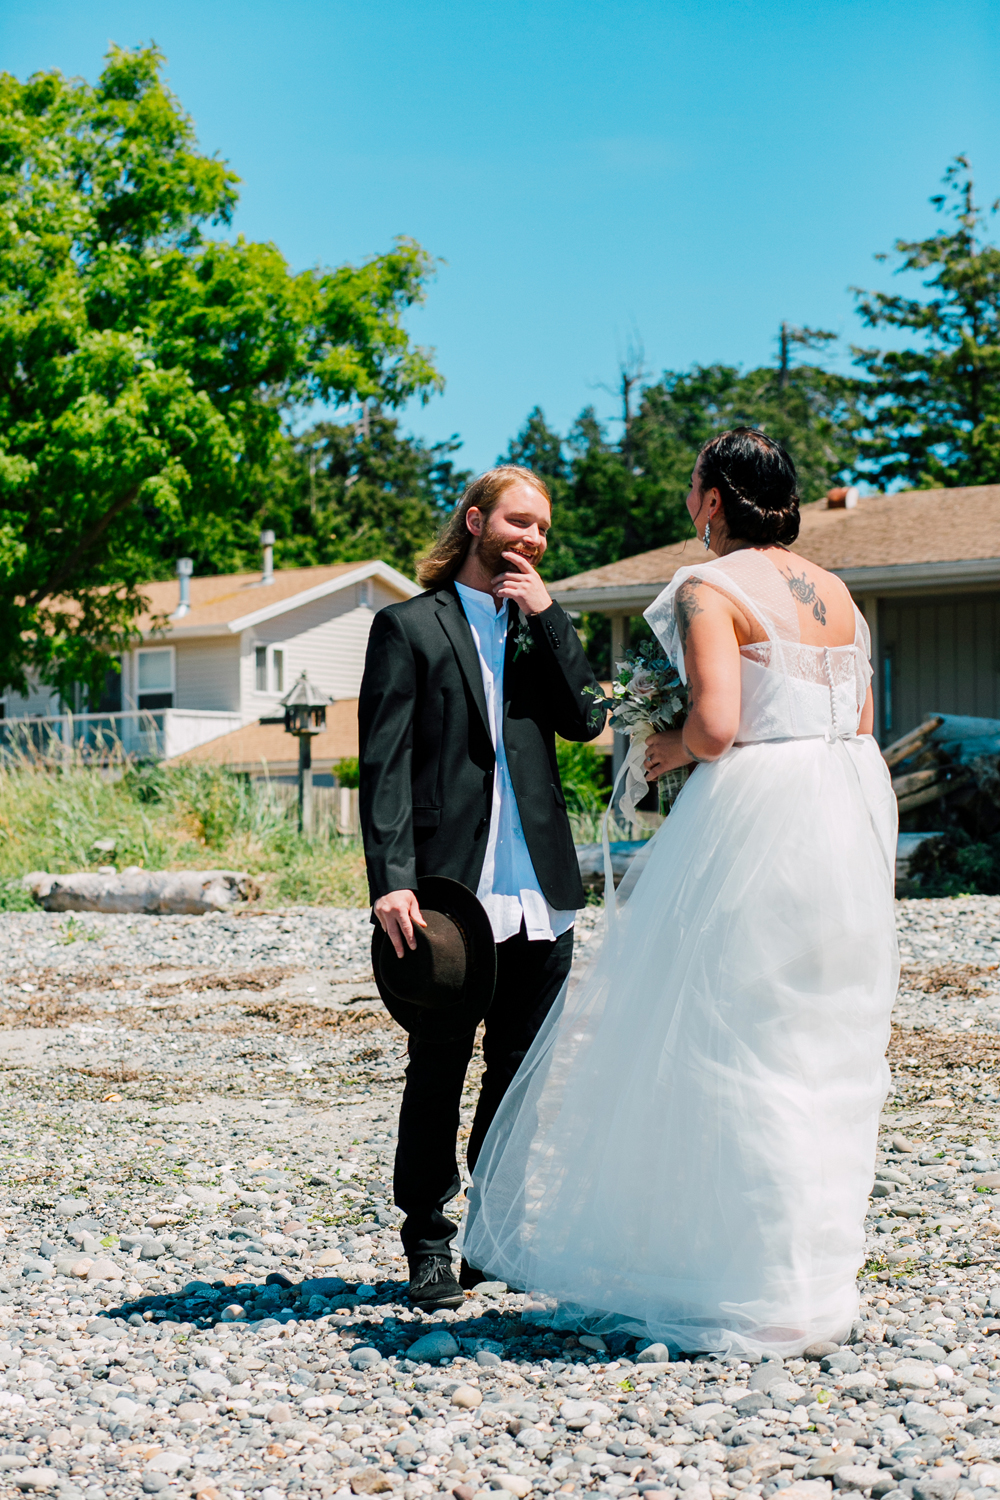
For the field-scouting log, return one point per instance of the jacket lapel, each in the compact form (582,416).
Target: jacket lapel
(510,653)
(456,628)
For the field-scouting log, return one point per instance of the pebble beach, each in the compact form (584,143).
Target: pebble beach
(201,1285)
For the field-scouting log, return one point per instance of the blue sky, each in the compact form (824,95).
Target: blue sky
(696,172)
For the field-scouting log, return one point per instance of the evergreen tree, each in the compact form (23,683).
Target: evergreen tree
(933,412)
(614,498)
(348,491)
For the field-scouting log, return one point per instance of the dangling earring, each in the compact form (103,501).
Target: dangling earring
(708,533)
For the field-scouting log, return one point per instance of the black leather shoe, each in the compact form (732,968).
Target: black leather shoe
(433,1284)
(469,1277)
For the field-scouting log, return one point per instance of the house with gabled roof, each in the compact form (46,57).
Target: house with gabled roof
(218,653)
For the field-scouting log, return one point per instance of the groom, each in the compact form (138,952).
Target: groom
(464,690)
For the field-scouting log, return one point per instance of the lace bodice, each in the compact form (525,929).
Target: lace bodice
(788,690)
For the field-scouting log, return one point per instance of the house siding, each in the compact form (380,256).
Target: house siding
(326,639)
(945,658)
(207,675)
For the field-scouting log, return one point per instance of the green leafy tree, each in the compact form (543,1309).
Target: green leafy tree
(934,411)
(146,369)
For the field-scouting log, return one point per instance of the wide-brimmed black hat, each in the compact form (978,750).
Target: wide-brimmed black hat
(445,985)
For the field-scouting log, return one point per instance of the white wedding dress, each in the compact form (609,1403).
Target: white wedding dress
(687,1151)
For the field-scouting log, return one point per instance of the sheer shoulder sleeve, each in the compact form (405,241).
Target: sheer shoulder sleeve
(661,616)
(862,656)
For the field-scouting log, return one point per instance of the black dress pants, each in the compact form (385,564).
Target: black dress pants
(529,978)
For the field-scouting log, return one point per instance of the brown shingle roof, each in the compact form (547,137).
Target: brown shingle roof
(913,526)
(218,601)
(258,746)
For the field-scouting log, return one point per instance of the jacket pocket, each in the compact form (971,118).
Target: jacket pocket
(426,817)
(557,796)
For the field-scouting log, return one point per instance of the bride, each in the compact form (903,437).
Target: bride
(686,1152)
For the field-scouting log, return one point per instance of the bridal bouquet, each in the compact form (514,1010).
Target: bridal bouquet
(647,697)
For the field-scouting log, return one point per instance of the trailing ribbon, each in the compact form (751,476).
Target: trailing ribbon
(636,787)
(610,900)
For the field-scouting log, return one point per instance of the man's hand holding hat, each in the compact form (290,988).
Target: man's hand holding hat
(397,913)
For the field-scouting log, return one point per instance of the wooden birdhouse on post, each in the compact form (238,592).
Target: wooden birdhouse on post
(305,716)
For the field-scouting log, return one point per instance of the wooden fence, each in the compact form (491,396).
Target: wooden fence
(335,808)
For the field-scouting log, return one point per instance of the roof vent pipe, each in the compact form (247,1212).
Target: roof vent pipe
(267,542)
(185,567)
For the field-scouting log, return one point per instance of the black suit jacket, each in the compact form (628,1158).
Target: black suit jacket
(427,759)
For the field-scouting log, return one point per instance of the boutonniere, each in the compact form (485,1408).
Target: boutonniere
(523,640)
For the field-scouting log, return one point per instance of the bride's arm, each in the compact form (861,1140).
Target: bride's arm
(712,662)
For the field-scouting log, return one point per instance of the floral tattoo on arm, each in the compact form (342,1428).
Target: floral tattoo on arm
(687,605)
(804,592)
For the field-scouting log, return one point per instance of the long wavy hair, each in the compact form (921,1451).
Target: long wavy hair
(449,552)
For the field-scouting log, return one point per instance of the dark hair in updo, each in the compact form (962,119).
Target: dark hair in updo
(756,479)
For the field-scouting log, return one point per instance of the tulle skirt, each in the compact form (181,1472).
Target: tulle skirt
(687,1151)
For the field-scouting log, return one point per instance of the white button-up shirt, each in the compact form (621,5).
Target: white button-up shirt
(508,886)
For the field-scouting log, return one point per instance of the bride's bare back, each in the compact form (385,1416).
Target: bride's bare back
(822,602)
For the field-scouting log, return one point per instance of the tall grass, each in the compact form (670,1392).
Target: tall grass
(77,817)
(70,816)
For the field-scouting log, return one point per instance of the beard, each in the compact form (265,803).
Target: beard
(492,546)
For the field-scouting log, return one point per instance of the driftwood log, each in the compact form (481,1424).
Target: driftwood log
(931,775)
(911,743)
(158,892)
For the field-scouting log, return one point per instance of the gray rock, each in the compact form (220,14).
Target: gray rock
(364,1358)
(653,1354)
(844,1362)
(753,1402)
(786,1394)
(152,1250)
(930,1488)
(104,1328)
(438,1345)
(36,1479)
(67,1207)
(153,1482)
(921,1418)
(765,1376)
(38,1263)
(486,1359)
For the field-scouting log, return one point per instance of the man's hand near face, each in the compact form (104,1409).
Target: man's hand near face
(522,585)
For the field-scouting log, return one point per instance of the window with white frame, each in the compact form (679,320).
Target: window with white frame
(366,594)
(269,669)
(155,677)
